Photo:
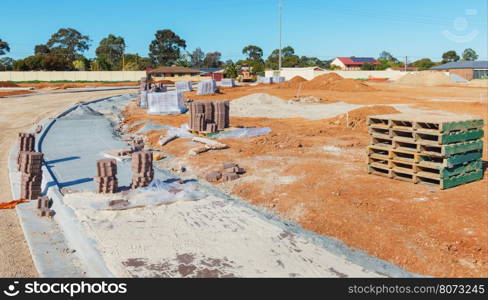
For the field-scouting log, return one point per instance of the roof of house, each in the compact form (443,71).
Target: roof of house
(210,70)
(358,61)
(175,70)
(481,64)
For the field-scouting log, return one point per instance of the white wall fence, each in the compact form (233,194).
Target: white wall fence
(73,76)
(310,74)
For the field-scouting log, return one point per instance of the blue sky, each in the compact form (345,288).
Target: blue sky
(321,28)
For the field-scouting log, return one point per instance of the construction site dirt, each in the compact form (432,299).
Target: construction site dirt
(313,172)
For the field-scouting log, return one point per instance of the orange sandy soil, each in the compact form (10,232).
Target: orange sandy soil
(47,85)
(13,93)
(417,227)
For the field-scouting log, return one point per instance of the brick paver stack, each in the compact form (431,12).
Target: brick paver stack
(209,116)
(30,164)
(142,169)
(445,151)
(106,179)
(27,142)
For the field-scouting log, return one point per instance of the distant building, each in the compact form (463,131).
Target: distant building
(353,63)
(173,71)
(216,73)
(466,69)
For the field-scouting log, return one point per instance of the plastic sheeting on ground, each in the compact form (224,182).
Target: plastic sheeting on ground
(236,133)
(166,103)
(266,80)
(207,87)
(228,82)
(183,86)
(143,99)
(278,79)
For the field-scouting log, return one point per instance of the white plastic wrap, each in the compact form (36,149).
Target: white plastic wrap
(166,103)
(183,86)
(228,82)
(207,87)
(278,79)
(143,99)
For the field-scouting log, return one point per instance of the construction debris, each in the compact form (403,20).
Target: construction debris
(164,140)
(443,151)
(106,179)
(231,171)
(38,129)
(142,169)
(209,116)
(31,174)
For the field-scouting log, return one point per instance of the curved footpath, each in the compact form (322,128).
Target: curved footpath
(214,235)
(17,115)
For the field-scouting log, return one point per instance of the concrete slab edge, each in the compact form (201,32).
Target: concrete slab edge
(49,242)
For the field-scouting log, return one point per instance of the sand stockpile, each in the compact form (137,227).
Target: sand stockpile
(268,106)
(425,78)
(357,118)
(293,83)
(7,84)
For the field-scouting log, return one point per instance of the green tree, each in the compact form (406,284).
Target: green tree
(183,61)
(68,42)
(289,59)
(196,58)
(6,64)
(470,55)
(253,53)
(43,62)
(387,56)
(165,50)
(213,60)
(4,47)
(450,56)
(41,49)
(111,50)
(231,70)
(367,67)
(423,64)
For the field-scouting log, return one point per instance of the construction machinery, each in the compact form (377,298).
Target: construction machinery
(246,74)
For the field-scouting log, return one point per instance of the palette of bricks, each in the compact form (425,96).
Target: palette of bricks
(30,167)
(436,150)
(43,209)
(209,116)
(106,179)
(231,171)
(142,169)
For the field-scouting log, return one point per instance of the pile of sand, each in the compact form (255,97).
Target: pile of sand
(357,118)
(7,84)
(425,78)
(334,82)
(267,106)
(293,83)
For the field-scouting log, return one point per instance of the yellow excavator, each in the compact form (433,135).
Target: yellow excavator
(246,74)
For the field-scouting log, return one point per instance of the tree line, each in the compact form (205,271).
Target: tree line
(64,52)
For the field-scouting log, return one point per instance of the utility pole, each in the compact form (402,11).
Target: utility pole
(280,9)
(406,63)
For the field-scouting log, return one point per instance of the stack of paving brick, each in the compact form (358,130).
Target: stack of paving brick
(142,169)
(106,179)
(43,209)
(209,116)
(26,143)
(439,150)
(31,174)
(231,171)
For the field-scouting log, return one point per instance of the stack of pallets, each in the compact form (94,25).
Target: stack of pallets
(439,150)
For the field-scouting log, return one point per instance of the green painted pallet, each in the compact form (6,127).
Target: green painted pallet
(463,125)
(448,162)
(461,169)
(461,179)
(461,136)
(452,149)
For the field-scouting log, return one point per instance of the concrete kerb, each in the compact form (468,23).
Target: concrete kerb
(58,249)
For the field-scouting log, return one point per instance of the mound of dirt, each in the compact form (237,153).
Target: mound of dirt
(357,118)
(334,82)
(7,84)
(425,78)
(293,83)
